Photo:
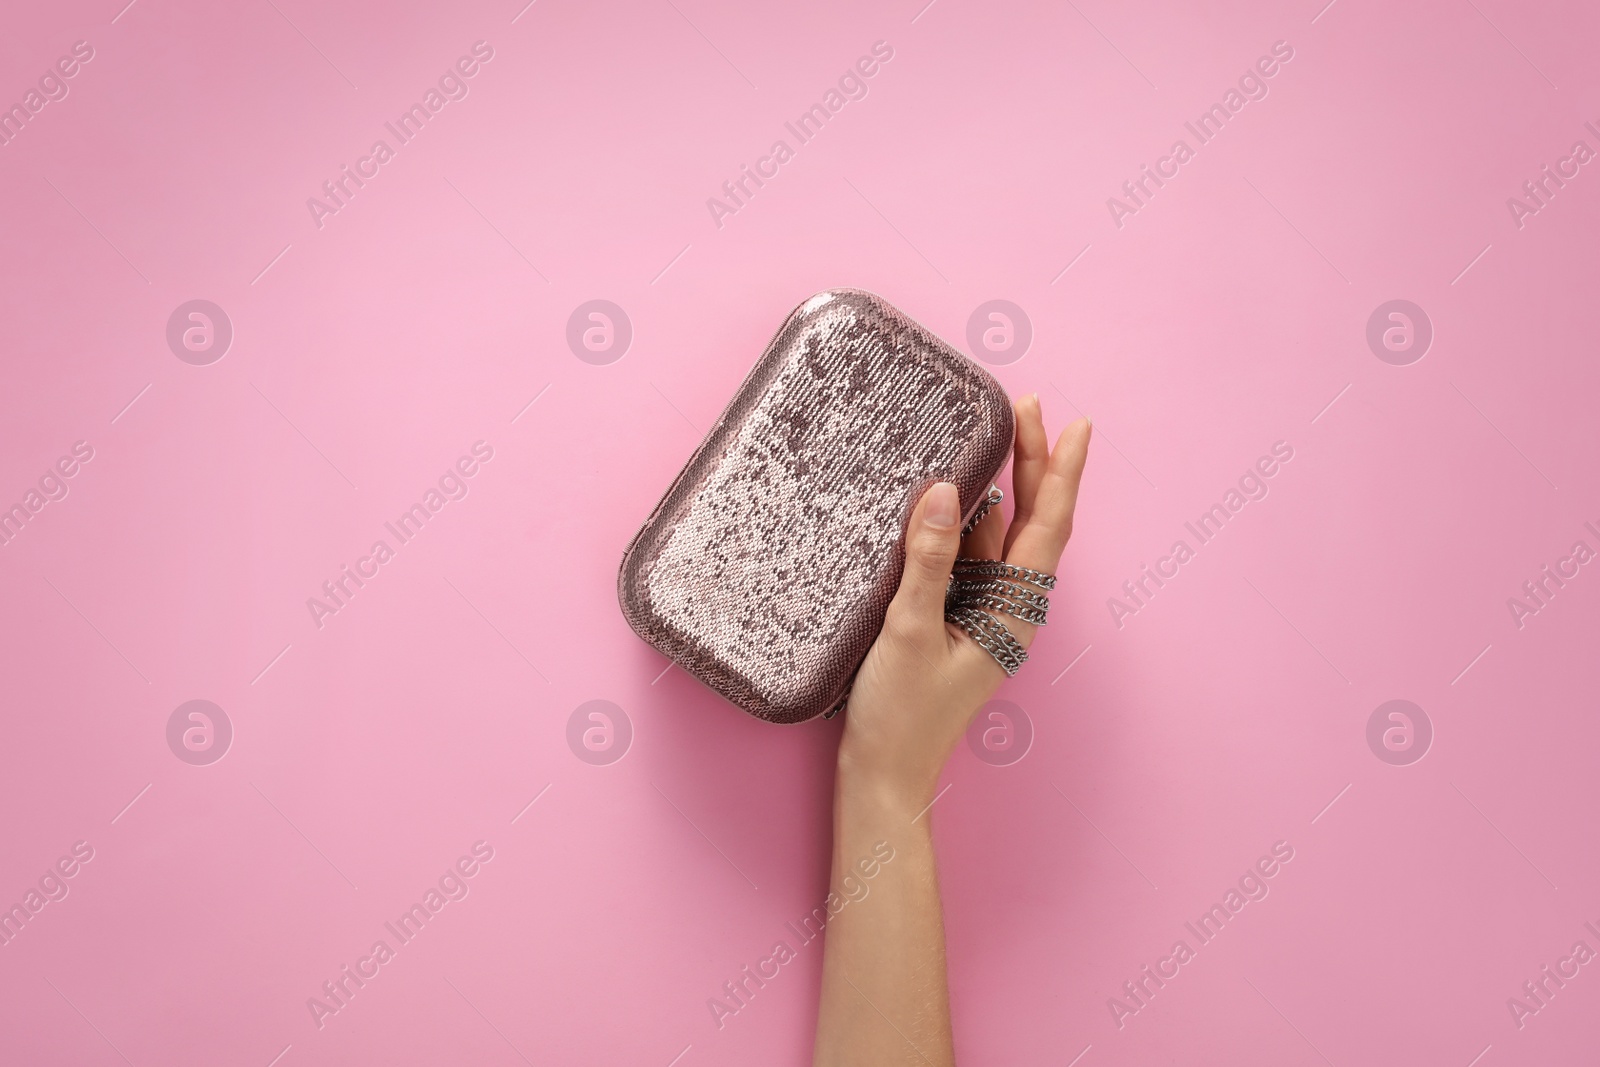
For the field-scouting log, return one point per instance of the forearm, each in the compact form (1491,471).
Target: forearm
(884,994)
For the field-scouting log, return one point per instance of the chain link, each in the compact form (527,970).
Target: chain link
(979,587)
(1009,607)
(990,634)
(964,587)
(990,501)
(993,568)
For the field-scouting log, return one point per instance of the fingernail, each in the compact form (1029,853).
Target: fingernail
(944,509)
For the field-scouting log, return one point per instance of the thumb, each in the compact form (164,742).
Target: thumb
(932,539)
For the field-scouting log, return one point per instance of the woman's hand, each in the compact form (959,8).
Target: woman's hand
(924,679)
(885,1000)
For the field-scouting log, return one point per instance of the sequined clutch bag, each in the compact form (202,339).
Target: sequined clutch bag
(766,569)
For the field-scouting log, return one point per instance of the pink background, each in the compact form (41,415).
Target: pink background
(1228,314)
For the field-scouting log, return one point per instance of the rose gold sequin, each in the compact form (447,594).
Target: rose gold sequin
(766,569)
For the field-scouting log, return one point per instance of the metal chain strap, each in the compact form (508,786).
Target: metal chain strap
(962,587)
(990,501)
(993,568)
(1009,607)
(990,635)
(978,588)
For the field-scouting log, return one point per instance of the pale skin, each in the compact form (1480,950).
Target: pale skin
(885,999)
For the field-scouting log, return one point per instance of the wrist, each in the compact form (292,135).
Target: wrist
(866,783)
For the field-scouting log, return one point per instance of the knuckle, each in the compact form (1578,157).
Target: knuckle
(925,561)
